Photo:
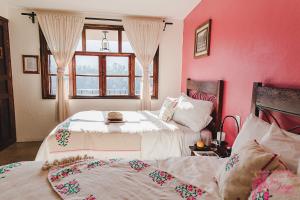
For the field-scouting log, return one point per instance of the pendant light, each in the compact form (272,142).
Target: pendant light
(105,43)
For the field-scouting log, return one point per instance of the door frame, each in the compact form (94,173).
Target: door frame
(7,57)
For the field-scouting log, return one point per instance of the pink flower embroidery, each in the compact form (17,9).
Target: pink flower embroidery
(160,177)
(91,197)
(71,187)
(96,163)
(63,173)
(60,186)
(189,192)
(138,165)
(7,168)
(58,136)
(62,134)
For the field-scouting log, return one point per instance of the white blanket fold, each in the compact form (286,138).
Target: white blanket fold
(142,136)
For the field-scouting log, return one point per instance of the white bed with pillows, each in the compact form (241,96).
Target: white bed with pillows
(142,135)
(257,169)
(264,164)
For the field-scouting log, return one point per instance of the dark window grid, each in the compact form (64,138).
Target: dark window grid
(51,83)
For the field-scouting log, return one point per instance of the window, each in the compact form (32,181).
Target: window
(96,72)
(117,75)
(52,75)
(87,75)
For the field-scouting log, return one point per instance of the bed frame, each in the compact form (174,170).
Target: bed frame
(282,100)
(214,88)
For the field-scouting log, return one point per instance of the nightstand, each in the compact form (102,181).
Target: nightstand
(221,151)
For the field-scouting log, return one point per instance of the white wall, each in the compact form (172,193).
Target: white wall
(35,117)
(3,9)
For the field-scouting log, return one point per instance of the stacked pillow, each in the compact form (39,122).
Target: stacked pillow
(283,143)
(272,138)
(187,111)
(168,108)
(242,171)
(238,173)
(254,128)
(193,113)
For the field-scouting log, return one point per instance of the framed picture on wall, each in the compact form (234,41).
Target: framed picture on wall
(30,64)
(202,39)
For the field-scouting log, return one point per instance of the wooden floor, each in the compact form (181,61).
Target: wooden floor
(22,151)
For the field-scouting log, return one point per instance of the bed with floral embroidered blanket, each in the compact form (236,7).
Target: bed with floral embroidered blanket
(177,178)
(134,179)
(142,135)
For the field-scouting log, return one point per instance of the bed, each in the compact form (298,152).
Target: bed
(119,182)
(189,178)
(143,135)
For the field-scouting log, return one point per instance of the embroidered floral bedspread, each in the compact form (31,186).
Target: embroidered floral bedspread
(115,179)
(27,181)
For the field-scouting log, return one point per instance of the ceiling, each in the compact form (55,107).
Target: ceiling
(175,9)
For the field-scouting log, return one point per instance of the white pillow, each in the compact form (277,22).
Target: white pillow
(283,144)
(167,109)
(254,128)
(193,113)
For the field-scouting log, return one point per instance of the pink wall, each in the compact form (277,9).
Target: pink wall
(257,40)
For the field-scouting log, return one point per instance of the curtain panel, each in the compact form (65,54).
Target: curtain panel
(144,35)
(62,32)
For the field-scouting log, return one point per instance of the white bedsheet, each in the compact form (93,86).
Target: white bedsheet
(142,136)
(27,181)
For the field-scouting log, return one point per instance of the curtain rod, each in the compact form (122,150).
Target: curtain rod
(32,16)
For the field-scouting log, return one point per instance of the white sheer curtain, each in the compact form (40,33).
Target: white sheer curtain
(62,32)
(144,35)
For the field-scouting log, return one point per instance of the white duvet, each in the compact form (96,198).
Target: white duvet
(141,136)
(25,180)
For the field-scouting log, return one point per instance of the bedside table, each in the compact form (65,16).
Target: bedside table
(221,151)
(205,152)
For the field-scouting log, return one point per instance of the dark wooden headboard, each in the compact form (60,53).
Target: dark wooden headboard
(282,100)
(214,88)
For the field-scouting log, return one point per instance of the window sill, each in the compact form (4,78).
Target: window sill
(102,97)
(49,97)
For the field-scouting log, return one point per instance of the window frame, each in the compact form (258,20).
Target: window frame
(45,73)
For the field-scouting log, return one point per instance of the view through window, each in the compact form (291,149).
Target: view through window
(104,66)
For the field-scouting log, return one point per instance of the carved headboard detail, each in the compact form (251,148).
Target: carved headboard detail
(283,100)
(280,100)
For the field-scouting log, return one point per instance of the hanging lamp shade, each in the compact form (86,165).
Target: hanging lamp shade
(105,43)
